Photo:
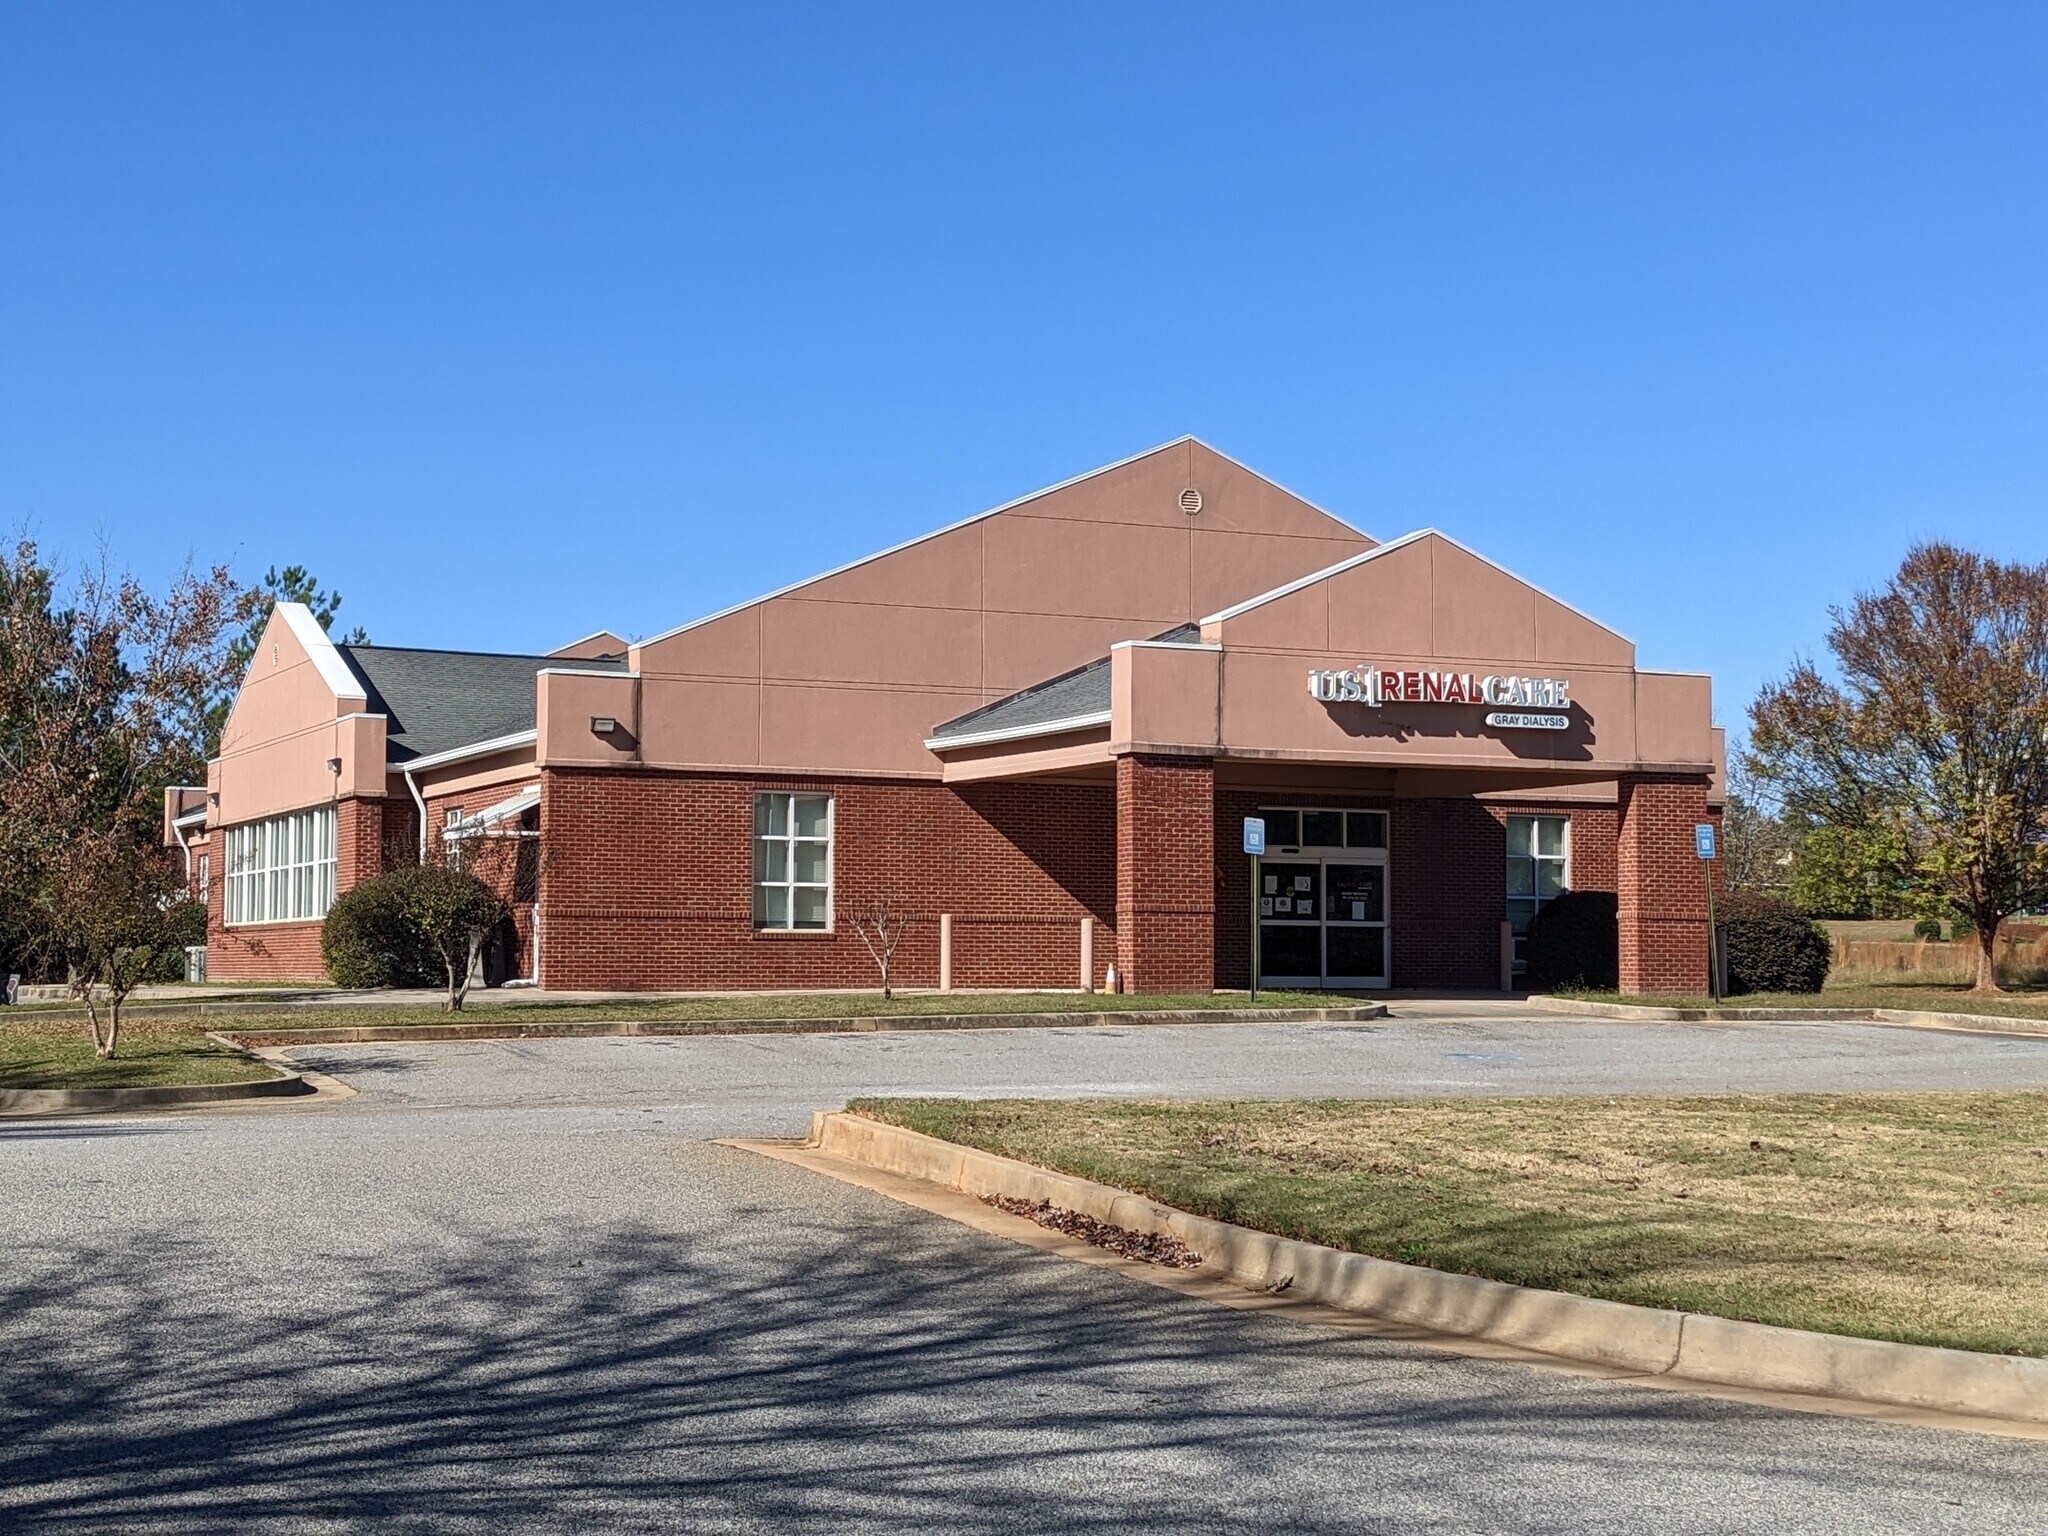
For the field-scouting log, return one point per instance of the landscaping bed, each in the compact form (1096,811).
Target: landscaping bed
(42,1052)
(1919,1218)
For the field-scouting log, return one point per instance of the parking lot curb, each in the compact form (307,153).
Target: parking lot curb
(369,1034)
(57,1101)
(1650,1340)
(1910,1018)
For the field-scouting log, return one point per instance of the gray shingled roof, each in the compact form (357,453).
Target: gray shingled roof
(436,700)
(1083,691)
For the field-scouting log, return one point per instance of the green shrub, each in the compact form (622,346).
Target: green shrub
(1927,928)
(1573,942)
(1962,928)
(368,941)
(1771,946)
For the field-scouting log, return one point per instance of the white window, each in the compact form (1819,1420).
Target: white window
(205,876)
(792,861)
(281,870)
(1539,867)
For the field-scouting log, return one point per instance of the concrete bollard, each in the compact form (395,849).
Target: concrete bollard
(945,951)
(1087,954)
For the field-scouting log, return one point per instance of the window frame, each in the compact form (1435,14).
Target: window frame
(789,841)
(283,869)
(1344,815)
(1535,900)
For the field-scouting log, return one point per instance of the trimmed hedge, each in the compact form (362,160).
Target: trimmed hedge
(1574,942)
(368,941)
(1772,947)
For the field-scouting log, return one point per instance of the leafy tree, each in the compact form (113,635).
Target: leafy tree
(104,695)
(1850,871)
(454,912)
(1935,734)
(293,584)
(118,909)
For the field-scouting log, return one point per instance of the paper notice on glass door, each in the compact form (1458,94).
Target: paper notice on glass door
(1265,906)
(1358,911)
(1272,885)
(1303,882)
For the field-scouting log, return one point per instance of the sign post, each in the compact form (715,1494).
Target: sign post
(1255,845)
(1703,845)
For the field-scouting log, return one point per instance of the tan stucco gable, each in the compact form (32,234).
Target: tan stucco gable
(299,708)
(850,671)
(1424,596)
(1421,605)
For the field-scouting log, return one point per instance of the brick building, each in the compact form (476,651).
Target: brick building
(1039,731)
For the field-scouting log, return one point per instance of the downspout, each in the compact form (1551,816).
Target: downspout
(185,848)
(419,800)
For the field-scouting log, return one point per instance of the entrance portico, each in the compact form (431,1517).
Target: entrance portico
(1395,719)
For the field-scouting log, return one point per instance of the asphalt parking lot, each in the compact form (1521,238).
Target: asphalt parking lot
(514,1285)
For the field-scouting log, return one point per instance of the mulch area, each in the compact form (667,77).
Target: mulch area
(1151,1247)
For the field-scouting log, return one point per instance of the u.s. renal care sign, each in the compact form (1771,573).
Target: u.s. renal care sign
(1530,700)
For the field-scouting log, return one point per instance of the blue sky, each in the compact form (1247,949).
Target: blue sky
(515,321)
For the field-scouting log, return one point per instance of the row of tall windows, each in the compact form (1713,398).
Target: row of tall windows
(281,870)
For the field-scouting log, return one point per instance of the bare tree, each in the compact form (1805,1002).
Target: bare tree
(881,927)
(1936,735)
(1757,846)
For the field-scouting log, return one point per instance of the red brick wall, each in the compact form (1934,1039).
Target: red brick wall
(1166,873)
(1447,889)
(647,881)
(366,833)
(1661,890)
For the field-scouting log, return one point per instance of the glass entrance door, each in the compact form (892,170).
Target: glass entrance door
(1290,923)
(1354,925)
(1323,922)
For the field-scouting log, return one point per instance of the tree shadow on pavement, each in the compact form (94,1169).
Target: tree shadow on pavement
(877,1369)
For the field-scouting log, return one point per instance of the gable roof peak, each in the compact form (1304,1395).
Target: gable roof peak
(1379,550)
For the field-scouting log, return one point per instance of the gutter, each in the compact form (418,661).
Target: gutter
(1018,732)
(456,755)
(178,826)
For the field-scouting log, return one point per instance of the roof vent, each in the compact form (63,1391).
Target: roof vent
(1191,501)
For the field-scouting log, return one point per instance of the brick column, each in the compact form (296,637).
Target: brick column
(1659,887)
(1166,873)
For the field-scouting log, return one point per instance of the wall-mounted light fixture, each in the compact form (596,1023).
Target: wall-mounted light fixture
(334,766)
(602,725)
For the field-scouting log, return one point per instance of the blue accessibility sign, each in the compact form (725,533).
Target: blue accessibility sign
(1703,839)
(1255,834)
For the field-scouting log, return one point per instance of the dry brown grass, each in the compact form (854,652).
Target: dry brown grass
(1917,1217)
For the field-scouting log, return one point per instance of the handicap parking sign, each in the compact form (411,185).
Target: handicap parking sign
(1255,834)
(1703,839)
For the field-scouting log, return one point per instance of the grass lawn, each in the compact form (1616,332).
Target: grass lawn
(57,1053)
(1915,1217)
(480,1008)
(1932,997)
